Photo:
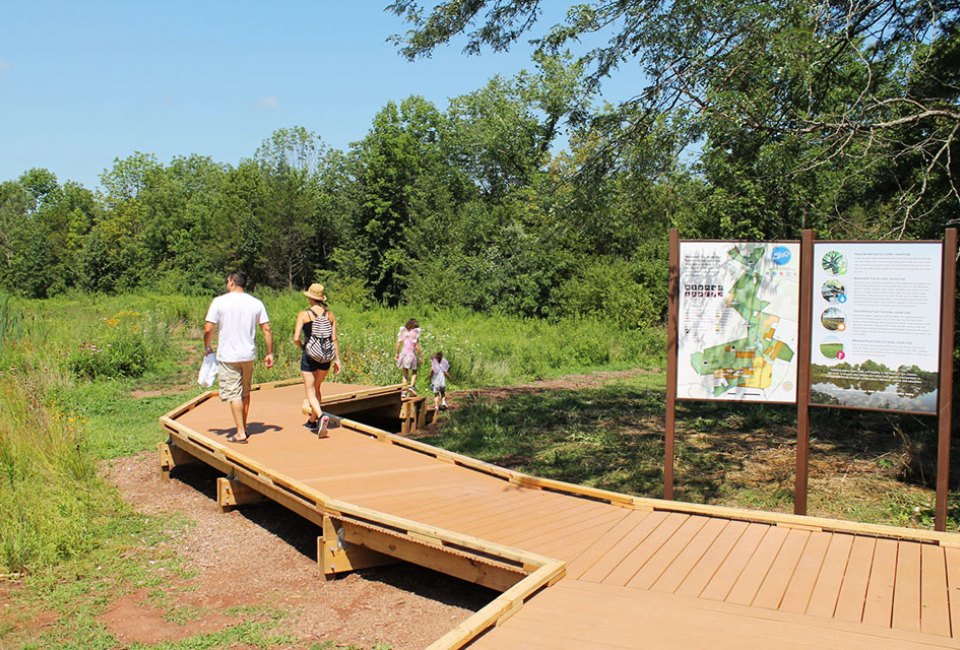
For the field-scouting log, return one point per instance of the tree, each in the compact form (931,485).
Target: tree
(389,167)
(290,162)
(850,82)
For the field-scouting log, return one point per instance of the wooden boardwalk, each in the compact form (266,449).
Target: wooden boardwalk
(582,567)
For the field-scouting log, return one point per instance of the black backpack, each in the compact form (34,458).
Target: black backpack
(319,346)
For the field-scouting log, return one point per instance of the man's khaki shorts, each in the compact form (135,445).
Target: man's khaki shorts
(234,379)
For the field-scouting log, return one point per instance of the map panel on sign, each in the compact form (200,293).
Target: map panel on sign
(738,321)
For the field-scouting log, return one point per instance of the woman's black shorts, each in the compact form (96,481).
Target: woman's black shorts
(309,365)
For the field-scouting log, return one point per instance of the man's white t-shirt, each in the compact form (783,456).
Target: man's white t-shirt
(236,315)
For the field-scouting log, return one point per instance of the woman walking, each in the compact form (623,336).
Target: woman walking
(316,334)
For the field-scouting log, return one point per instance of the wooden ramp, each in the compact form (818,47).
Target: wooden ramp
(578,567)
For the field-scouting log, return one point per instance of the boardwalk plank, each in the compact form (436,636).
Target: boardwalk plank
(952,556)
(733,565)
(665,556)
(495,518)
(745,588)
(493,506)
(608,562)
(566,530)
(633,562)
(850,601)
(906,594)
(823,600)
(797,596)
(656,620)
(511,638)
(705,569)
(878,608)
(778,577)
(685,562)
(934,605)
(606,544)
(531,517)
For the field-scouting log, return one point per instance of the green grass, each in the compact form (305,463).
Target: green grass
(592,436)
(256,634)
(131,553)
(84,378)
(741,455)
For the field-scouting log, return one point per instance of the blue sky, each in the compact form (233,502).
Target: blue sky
(85,82)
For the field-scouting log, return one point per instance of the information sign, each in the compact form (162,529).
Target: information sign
(875,332)
(738,321)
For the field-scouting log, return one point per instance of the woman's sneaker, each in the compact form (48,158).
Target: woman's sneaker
(322,427)
(311,425)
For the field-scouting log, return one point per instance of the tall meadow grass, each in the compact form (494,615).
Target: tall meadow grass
(70,367)
(52,502)
(483,350)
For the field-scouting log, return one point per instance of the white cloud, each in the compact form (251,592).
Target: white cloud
(4,66)
(269,102)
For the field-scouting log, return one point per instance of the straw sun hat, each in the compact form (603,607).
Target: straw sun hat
(316,292)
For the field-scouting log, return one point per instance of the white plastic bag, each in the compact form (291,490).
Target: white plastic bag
(208,370)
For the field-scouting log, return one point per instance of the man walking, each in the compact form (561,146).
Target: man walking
(236,315)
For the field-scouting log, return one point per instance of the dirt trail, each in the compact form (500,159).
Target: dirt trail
(264,556)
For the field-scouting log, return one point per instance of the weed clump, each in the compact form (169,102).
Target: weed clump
(52,502)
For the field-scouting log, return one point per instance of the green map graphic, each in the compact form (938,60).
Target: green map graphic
(746,362)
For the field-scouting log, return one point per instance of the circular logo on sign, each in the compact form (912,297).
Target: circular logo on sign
(780,255)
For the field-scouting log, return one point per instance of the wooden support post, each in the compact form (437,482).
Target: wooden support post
(336,555)
(801,479)
(945,393)
(170,457)
(673,323)
(405,424)
(422,414)
(232,493)
(412,414)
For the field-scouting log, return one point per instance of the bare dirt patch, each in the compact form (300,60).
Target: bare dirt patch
(567,382)
(263,557)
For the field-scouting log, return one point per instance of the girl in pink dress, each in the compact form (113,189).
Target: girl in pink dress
(408,353)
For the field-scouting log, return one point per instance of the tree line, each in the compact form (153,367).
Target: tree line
(770,121)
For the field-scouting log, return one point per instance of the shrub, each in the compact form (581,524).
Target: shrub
(607,289)
(128,345)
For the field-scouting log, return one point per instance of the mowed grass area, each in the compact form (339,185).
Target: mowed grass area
(863,467)
(84,378)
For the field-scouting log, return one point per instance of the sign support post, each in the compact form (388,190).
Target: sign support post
(945,391)
(803,374)
(673,324)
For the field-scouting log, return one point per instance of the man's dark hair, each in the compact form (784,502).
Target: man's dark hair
(239,278)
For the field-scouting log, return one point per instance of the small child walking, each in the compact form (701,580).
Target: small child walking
(408,355)
(439,371)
